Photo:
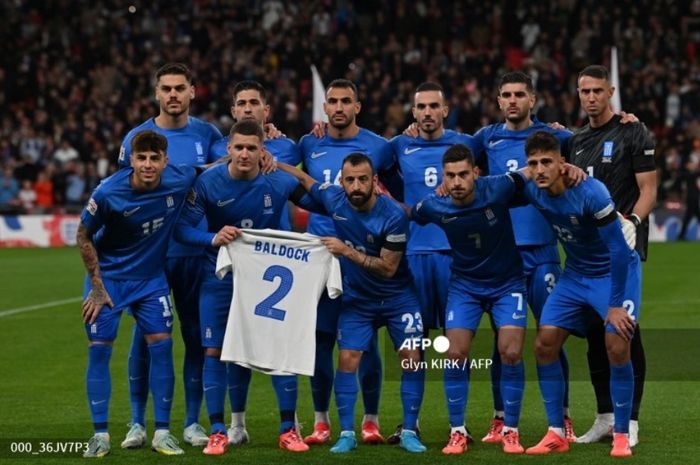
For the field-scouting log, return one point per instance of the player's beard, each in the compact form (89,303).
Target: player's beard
(341,126)
(429,129)
(516,119)
(359,198)
(183,108)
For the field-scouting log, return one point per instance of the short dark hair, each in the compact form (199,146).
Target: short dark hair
(541,141)
(358,158)
(457,153)
(249,85)
(345,84)
(174,68)
(430,86)
(595,71)
(247,128)
(149,141)
(516,77)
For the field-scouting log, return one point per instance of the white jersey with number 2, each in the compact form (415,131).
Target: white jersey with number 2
(278,278)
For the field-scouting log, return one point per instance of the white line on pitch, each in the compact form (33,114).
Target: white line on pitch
(54,303)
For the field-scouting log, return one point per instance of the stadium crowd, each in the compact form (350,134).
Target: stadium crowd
(71,85)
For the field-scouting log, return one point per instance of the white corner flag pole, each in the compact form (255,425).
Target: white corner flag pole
(615,81)
(319,93)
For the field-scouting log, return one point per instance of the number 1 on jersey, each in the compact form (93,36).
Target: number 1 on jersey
(266,307)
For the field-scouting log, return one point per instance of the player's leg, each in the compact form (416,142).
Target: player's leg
(355,329)
(138,367)
(404,322)
(98,381)
(154,316)
(238,380)
(370,376)
(184,277)
(214,300)
(493,434)
(286,388)
(322,380)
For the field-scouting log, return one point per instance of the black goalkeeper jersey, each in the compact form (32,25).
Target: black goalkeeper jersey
(614,153)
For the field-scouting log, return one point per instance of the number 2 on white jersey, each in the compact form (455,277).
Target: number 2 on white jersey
(266,308)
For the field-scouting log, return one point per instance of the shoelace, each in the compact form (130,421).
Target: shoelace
(509,438)
(494,426)
(455,439)
(293,436)
(218,439)
(568,429)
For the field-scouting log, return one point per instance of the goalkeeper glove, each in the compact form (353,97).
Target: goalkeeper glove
(629,230)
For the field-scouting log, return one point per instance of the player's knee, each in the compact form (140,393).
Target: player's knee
(213,352)
(458,354)
(546,350)
(409,356)
(511,355)
(157,337)
(349,360)
(618,352)
(100,342)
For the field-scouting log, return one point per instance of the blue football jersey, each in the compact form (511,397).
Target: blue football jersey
(480,234)
(282,149)
(135,226)
(190,145)
(323,160)
(420,162)
(222,200)
(384,226)
(505,151)
(574,215)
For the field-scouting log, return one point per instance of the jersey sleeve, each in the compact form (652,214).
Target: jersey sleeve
(327,195)
(215,137)
(385,157)
(124,159)
(469,141)
(293,155)
(224,264)
(396,233)
(598,201)
(94,214)
(192,213)
(479,141)
(643,147)
(503,186)
(422,212)
(334,283)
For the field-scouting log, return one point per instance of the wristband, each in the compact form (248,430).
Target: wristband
(635,219)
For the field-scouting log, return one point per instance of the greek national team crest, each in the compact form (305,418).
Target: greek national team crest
(574,220)
(169,201)
(267,200)
(199,148)
(607,151)
(370,239)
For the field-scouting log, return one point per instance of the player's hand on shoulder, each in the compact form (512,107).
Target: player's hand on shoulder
(573,175)
(97,298)
(267,162)
(271,131)
(628,118)
(319,129)
(335,246)
(441,190)
(622,322)
(556,125)
(226,235)
(411,130)
(629,230)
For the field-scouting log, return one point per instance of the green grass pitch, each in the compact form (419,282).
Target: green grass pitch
(42,371)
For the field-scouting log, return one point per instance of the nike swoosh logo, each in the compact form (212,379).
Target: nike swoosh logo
(98,402)
(339,218)
(579,151)
(518,317)
(194,380)
(206,388)
(223,203)
(290,390)
(167,400)
(511,402)
(319,154)
(135,378)
(448,219)
(408,151)
(455,400)
(168,324)
(131,212)
(617,404)
(495,143)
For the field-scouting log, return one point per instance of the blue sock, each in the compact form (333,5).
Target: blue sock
(286,390)
(192,373)
(138,377)
(512,387)
(238,383)
(99,384)
(564,360)
(552,387)
(622,393)
(370,374)
(456,393)
(162,381)
(412,388)
(214,382)
(345,398)
(322,380)
(496,378)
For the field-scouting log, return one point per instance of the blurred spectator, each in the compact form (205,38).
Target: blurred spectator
(44,191)
(27,196)
(65,153)
(8,191)
(692,195)
(76,184)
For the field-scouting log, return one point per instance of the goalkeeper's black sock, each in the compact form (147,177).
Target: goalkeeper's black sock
(599,366)
(639,362)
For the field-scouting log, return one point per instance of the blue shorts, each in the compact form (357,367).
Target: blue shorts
(467,301)
(214,304)
(431,275)
(575,296)
(148,300)
(542,270)
(185,278)
(327,314)
(360,319)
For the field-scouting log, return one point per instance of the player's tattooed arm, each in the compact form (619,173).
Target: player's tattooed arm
(98,296)
(385,265)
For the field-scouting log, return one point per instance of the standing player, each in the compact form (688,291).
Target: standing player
(230,196)
(419,159)
(323,158)
(622,157)
(504,145)
(189,143)
(250,104)
(371,233)
(123,239)
(487,276)
(601,273)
